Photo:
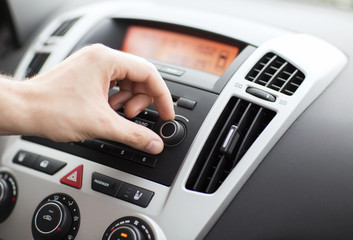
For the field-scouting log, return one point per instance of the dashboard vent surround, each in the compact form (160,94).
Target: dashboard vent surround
(64,27)
(276,73)
(235,131)
(36,64)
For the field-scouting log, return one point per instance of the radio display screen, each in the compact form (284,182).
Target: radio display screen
(178,48)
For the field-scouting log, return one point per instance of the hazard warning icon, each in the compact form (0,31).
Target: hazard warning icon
(73,178)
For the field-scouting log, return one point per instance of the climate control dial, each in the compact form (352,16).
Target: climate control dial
(8,195)
(57,217)
(129,228)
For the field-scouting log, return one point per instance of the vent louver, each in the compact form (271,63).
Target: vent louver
(36,64)
(235,131)
(64,27)
(274,72)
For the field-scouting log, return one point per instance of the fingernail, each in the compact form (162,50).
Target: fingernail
(154,147)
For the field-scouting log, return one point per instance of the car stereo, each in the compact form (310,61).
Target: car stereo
(195,65)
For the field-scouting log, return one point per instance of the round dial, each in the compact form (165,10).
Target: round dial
(172,132)
(57,217)
(129,228)
(8,195)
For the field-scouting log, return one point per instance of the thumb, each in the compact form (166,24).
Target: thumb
(134,135)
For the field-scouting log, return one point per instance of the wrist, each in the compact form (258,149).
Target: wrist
(11,107)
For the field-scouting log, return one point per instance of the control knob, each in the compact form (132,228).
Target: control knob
(8,195)
(172,132)
(129,228)
(56,218)
(52,221)
(126,232)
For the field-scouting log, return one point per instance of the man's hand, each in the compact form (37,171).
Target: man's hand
(70,102)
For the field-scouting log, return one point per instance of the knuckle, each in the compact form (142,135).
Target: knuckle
(151,67)
(137,138)
(94,52)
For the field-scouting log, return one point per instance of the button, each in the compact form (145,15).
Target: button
(149,115)
(149,161)
(25,158)
(261,94)
(105,184)
(86,143)
(48,165)
(135,195)
(169,70)
(121,152)
(186,103)
(102,146)
(73,178)
(143,122)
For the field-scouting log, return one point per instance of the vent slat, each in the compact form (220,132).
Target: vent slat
(239,125)
(211,158)
(262,81)
(36,64)
(64,27)
(282,79)
(217,175)
(274,72)
(260,121)
(287,91)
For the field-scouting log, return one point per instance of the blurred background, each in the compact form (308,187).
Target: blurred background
(20,20)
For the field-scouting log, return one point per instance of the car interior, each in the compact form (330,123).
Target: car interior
(261,146)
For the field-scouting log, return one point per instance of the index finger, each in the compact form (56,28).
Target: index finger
(139,70)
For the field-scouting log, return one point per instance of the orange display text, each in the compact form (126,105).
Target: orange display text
(177,48)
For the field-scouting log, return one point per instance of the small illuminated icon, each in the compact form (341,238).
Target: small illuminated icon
(124,235)
(70,237)
(144,159)
(76,218)
(47,217)
(56,197)
(70,203)
(44,164)
(21,157)
(138,195)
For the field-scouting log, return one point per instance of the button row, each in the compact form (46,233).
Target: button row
(121,190)
(143,159)
(37,162)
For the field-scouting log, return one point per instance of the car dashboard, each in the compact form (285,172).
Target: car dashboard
(238,88)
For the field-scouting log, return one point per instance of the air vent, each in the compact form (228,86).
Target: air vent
(235,131)
(36,64)
(274,72)
(64,27)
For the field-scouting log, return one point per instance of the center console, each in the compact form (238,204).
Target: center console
(235,93)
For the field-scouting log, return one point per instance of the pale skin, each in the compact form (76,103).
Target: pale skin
(70,102)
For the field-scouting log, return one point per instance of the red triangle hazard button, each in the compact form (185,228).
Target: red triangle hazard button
(73,178)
